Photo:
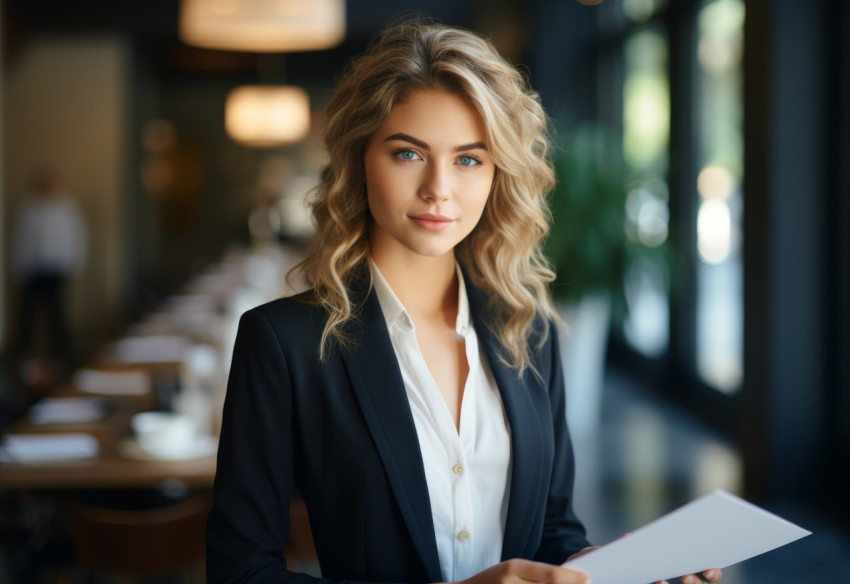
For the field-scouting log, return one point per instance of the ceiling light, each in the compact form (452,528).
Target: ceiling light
(267,115)
(263,25)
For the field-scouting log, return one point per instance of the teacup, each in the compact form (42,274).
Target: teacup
(164,434)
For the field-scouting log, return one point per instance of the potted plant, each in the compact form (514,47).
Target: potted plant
(591,249)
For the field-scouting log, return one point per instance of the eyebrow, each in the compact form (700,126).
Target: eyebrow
(424,146)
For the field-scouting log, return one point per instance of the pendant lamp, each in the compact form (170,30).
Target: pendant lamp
(263,25)
(267,115)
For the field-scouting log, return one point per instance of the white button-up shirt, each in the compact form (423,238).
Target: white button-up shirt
(50,237)
(467,470)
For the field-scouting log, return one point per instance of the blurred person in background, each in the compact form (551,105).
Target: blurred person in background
(414,394)
(49,246)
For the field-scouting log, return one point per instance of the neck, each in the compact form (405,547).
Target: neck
(424,285)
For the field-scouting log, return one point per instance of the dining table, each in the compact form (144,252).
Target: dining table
(182,346)
(116,466)
(118,461)
(81,441)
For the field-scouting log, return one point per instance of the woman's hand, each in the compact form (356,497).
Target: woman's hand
(586,550)
(523,571)
(712,575)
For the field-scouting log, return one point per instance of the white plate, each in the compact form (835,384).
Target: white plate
(201,447)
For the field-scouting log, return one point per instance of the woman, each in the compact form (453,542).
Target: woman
(414,394)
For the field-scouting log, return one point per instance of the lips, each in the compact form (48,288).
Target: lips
(431,222)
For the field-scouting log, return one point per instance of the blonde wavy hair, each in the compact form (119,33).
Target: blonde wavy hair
(502,255)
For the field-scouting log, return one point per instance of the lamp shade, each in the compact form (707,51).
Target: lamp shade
(263,25)
(265,116)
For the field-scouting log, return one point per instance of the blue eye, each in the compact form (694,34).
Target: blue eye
(468,161)
(407,155)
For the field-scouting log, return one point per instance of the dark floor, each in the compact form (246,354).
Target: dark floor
(646,458)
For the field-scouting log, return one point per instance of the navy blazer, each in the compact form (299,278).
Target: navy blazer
(341,430)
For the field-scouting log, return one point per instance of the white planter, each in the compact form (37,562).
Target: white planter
(584,341)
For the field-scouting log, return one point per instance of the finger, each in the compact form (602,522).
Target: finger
(540,572)
(712,575)
(557,575)
(586,550)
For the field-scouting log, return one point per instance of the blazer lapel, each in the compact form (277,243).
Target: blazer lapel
(379,388)
(526,437)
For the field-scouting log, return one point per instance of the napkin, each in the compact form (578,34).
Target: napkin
(151,349)
(112,382)
(48,447)
(67,410)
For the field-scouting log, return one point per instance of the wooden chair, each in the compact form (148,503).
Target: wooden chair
(300,551)
(132,543)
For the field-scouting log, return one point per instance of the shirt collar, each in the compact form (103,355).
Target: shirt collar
(462,324)
(391,306)
(395,313)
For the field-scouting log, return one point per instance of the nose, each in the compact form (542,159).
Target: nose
(435,183)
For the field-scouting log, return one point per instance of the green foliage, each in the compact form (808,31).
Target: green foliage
(588,244)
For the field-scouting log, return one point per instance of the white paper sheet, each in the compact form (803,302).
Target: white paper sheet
(713,531)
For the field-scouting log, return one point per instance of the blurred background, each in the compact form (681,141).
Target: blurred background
(154,168)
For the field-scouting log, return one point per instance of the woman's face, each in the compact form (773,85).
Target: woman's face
(428,174)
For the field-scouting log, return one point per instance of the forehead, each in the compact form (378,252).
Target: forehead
(436,117)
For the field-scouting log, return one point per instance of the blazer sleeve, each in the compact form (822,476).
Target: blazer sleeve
(563,532)
(249,521)
(248,524)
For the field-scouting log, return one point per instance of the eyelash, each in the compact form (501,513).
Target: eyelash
(477,160)
(398,153)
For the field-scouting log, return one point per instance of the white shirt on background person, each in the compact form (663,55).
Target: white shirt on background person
(49,237)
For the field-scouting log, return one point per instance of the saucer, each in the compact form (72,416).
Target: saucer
(200,447)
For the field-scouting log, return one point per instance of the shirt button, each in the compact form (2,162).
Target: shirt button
(458,469)
(463,535)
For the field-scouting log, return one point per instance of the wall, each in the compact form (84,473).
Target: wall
(794,416)
(65,105)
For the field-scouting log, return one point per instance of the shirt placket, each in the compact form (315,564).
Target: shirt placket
(463,484)
(458,517)
(462,509)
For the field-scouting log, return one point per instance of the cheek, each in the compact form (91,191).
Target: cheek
(382,197)
(386,187)
(480,191)
(373,202)
(374,187)
(376,192)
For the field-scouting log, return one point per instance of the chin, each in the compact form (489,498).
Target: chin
(430,251)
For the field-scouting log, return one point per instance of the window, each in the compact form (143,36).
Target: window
(719,152)
(646,137)
(681,75)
